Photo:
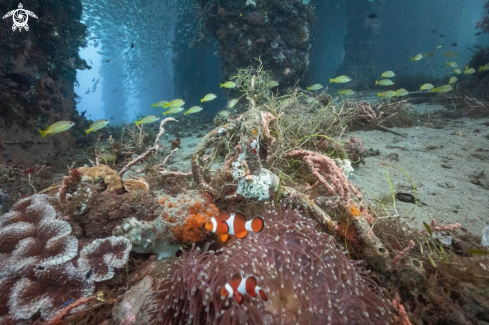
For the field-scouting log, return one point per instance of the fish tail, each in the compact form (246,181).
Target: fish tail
(185,113)
(480,68)
(331,80)
(379,95)
(202,100)
(412,59)
(221,85)
(87,131)
(43,133)
(152,105)
(308,88)
(376,82)
(166,105)
(137,123)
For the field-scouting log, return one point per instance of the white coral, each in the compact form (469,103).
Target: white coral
(254,185)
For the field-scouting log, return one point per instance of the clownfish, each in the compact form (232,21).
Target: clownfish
(226,224)
(238,286)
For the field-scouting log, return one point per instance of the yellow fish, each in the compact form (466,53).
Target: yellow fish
(429,54)
(193,109)
(442,89)
(457,71)
(417,57)
(484,68)
(147,119)
(174,103)
(208,98)
(160,104)
(228,84)
(384,82)
(388,74)
(452,80)
(224,114)
(427,87)
(232,102)
(107,156)
(450,54)
(401,92)
(272,83)
(56,128)
(311,100)
(97,125)
(346,92)
(314,87)
(340,79)
(388,94)
(451,64)
(173,110)
(469,70)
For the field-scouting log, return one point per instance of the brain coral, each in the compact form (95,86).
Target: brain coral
(306,275)
(36,269)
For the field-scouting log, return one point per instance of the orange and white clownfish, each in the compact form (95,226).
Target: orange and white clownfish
(238,286)
(226,224)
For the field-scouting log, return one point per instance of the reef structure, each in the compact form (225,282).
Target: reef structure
(37,269)
(37,78)
(275,31)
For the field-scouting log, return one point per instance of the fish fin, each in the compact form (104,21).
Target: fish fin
(43,133)
(87,131)
(137,123)
(209,226)
(250,286)
(224,238)
(257,224)
(224,292)
(222,228)
(240,226)
(238,297)
(223,215)
(331,80)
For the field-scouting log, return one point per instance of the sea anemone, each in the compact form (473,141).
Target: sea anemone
(306,275)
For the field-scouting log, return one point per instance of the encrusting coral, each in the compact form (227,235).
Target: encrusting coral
(36,268)
(103,255)
(307,278)
(181,222)
(102,172)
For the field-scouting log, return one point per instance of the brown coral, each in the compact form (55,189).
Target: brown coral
(102,173)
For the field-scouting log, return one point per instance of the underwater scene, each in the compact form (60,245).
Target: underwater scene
(244,162)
